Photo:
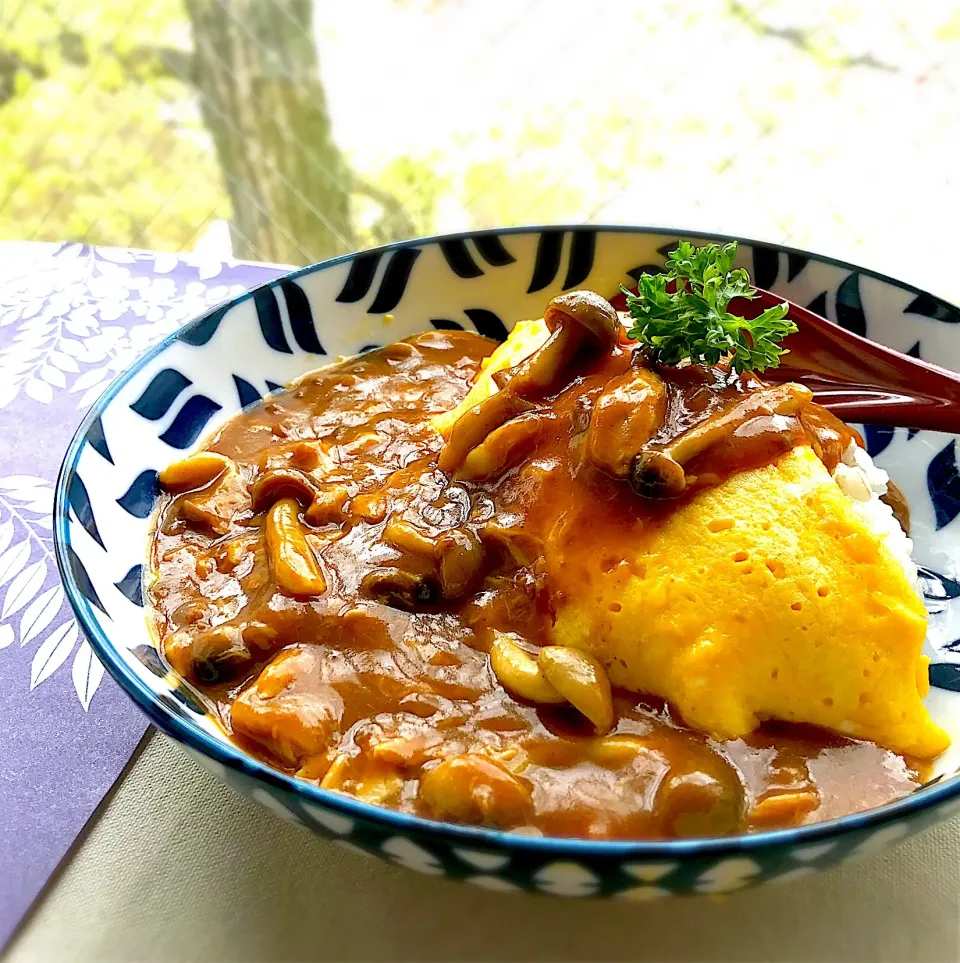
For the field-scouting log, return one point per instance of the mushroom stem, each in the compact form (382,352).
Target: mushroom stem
(503,447)
(470,429)
(534,376)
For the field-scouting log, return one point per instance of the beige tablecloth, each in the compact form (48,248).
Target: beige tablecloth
(181,868)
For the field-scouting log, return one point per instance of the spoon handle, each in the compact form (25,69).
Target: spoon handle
(856,379)
(860,380)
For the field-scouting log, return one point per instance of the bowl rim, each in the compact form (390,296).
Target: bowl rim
(232,757)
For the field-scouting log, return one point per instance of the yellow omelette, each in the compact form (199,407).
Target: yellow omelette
(766,597)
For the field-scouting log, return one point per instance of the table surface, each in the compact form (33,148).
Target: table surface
(179,867)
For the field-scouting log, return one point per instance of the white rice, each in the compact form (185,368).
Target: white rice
(863,483)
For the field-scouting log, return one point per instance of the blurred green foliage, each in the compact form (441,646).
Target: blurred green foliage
(100,141)
(103,142)
(102,136)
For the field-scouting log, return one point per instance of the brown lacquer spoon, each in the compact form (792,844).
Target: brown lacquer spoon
(857,379)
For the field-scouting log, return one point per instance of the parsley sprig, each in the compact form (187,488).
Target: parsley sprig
(692,322)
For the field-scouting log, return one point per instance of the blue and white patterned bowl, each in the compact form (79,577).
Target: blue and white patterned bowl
(165,403)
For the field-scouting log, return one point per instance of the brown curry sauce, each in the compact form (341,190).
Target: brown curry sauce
(381,685)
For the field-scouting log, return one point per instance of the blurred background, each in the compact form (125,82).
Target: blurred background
(292,130)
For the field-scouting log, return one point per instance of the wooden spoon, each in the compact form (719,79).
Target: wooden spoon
(857,379)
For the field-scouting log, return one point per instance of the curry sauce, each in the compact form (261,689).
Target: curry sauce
(340,597)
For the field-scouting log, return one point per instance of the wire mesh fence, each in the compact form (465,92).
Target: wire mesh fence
(292,130)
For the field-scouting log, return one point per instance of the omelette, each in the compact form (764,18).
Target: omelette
(785,592)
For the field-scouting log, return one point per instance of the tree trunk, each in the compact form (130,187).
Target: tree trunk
(255,67)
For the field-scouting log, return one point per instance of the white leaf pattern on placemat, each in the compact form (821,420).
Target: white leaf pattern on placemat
(61,314)
(54,651)
(116,254)
(39,390)
(13,560)
(40,614)
(64,361)
(53,375)
(209,269)
(16,484)
(23,588)
(28,605)
(164,263)
(89,379)
(87,672)
(6,534)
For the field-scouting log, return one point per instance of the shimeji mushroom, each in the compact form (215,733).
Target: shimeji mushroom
(575,320)
(659,473)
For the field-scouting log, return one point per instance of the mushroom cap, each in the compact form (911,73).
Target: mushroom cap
(399,588)
(277,483)
(654,474)
(589,310)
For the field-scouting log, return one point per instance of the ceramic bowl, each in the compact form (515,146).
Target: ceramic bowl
(170,399)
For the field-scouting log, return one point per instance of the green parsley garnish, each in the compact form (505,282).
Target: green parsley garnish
(693,322)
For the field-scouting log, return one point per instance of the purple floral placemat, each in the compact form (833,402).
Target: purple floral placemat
(71,317)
